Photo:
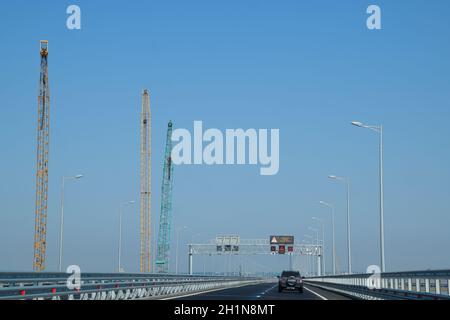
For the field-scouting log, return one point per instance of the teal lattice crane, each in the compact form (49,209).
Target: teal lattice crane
(165,218)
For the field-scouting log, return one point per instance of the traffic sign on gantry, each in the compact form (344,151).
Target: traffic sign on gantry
(239,246)
(283,240)
(227,243)
(281,244)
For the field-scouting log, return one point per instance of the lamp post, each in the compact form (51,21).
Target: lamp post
(61,228)
(379,130)
(313,242)
(333,227)
(178,240)
(119,266)
(319,258)
(191,266)
(322,226)
(308,258)
(308,266)
(349,247)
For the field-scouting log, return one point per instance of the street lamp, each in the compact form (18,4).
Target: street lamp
(308,264)
(191,270)
(311,259)
(61,227)
(332,223)
(319,258)
(349,248)
(323,241)
(119,267)
(379,130)
(178,240)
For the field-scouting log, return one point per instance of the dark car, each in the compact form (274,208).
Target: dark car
(290,280)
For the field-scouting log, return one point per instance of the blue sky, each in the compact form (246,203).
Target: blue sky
(307,68)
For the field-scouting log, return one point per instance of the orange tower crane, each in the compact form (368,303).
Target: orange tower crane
(43,140)
(146,174)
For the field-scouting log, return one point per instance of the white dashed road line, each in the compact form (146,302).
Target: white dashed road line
(313,292)
(202,292)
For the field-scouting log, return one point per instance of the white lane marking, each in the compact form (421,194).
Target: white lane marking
(203,292)
(270,289)
(313,292)
(198,293)
(267,291)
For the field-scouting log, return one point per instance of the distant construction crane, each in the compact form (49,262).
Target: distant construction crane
(165,218)
(43,136)
(146,174)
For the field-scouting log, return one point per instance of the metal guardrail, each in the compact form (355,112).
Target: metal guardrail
(116,286)
(416,285)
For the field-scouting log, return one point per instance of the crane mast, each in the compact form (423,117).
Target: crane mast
(145,218)
(43,136)
(162,261)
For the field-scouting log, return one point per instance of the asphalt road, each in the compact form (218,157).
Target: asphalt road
(265,291)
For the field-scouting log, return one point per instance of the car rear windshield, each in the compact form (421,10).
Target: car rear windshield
(290,274)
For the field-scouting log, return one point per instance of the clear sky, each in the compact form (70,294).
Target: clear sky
(305,67)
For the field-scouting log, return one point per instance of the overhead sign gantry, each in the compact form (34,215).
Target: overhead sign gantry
(234,245)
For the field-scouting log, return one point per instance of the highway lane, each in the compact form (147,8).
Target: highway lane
(265,291)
